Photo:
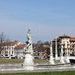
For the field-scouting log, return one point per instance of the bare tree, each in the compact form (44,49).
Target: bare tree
(2,37)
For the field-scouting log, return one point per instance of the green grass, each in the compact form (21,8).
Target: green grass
(42,73)
(10,61)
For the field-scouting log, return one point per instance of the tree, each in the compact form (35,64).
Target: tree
(42,47)
(2,37)
(46,43)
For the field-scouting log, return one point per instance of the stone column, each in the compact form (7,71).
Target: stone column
(51,60)
(61,55)
(56,53)
(67,54)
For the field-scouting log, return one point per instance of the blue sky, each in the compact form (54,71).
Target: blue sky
(47,19)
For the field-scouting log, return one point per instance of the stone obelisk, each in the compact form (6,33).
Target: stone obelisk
(51,60)
(28,61)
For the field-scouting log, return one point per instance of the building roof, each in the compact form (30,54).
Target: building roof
(72,39)
(64,36)
(10,43)
(20,46)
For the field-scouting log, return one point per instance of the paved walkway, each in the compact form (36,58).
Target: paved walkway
(40,68)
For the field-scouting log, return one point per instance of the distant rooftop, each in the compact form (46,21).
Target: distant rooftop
(20,46)
(64,36)
(10,43)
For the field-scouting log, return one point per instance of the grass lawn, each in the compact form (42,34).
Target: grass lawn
(10,61)
(13,61)
(42,73)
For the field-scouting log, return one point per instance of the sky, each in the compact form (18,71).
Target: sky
(47,19)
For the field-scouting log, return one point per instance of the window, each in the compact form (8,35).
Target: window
(12,52)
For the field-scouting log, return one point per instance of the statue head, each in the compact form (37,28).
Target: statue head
(29,34)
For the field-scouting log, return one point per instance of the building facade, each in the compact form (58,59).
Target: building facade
(12,49)
(68,42)
(20,51)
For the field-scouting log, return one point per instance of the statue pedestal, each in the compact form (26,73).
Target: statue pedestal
(28,62)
